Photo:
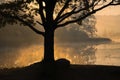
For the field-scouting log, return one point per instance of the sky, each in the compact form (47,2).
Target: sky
(107,25)
(113,10)
(108,21)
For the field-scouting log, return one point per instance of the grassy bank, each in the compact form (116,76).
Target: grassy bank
(61,72)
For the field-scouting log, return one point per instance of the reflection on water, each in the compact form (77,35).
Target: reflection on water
(108,54)
(18,57)
(77,53)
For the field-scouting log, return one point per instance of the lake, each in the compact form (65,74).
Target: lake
(76,53)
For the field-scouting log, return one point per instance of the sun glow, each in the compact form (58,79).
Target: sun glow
(29,56)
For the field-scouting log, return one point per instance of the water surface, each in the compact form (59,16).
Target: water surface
(77,53)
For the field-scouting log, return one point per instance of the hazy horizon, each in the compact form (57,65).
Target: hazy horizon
(19,46)
(107,26)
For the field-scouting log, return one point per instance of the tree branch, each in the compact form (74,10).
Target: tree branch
(86,15)
(23,21)
(41,8)
(29,25)
(62,10)
(39,23)
(66,15)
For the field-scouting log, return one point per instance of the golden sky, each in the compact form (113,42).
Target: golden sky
(108,21)
(112,10)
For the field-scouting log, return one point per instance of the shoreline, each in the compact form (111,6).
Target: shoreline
(73,72)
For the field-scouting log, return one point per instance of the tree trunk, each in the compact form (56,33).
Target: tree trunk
(49,46)
(49,67)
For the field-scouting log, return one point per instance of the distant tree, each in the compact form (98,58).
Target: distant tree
(88,26)
(50,15)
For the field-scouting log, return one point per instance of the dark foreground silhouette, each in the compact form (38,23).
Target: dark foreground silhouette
(61,70)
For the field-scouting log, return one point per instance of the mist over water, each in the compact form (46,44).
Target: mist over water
(108,26)
(19,46)
(76,53)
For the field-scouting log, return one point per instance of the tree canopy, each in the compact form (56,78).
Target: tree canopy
(51,14)
(59,12)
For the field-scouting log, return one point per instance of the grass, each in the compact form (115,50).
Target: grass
(61,71)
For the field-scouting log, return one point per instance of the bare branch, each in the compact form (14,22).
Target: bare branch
(73,21)
(41,8)
(94,4)
(66,15)
(62,10)
(86,15)
(39,23)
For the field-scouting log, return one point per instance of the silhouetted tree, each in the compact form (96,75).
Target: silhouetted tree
(50,14)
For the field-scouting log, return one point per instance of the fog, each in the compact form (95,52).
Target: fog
(108,26)
(20,46)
